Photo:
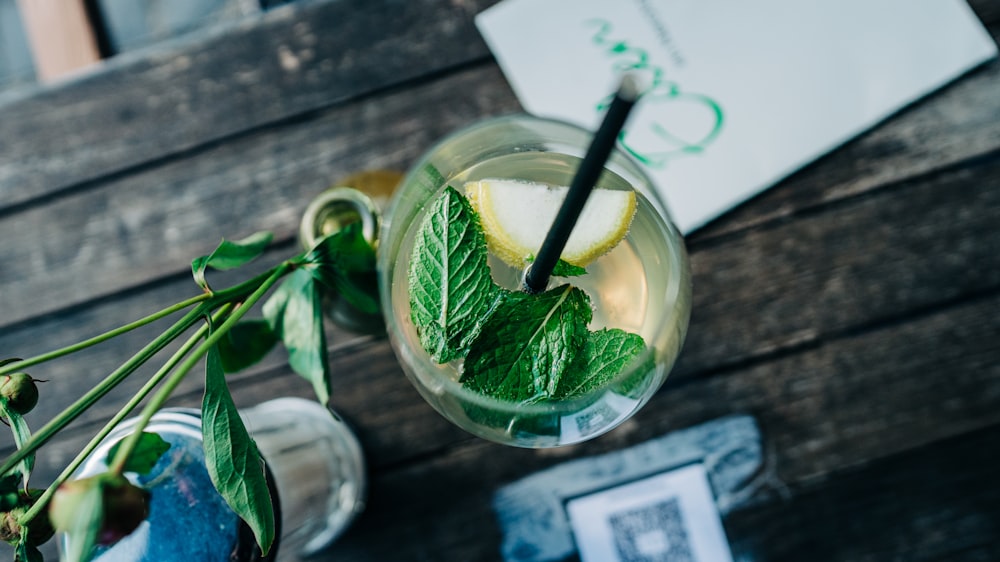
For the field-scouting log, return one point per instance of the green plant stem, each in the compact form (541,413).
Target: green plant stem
(241,290)
(206,302)
(159,399)
(24,363)
(127,409)
(57,423)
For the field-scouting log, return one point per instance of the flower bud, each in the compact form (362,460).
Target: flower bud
(20,391)
(125,505)
(39,529)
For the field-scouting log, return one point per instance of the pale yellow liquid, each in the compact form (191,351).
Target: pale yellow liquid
(628,287)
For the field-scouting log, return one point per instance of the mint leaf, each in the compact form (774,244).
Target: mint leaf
(527,344)
(451,290)
(234,464)
(229,254)
(145,455)
(604,355)
(563,268)
(566,269)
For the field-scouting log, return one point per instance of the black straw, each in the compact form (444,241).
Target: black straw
(537,276)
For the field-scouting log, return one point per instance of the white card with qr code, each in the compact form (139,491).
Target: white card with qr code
(670,516)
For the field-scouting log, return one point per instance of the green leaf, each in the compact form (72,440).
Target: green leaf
(26,552)
(604,355)
(429,177)
(22,433)
(231,456)
(451,291)
(10,495)
(245,344)
(229,254)
(345,249)
(562,268)
(145,455)
(527,344)
(82,534)
(344,263)
(295,315)
(566,269)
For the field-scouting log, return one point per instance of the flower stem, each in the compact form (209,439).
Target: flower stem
(57,423)
(241,290)
(24,363)
(127,409)
(159,399)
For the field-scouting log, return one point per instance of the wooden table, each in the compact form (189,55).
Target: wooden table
(852,309)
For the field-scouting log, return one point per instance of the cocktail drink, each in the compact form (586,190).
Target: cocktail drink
(531,369)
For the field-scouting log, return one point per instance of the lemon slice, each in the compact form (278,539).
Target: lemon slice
(517,215)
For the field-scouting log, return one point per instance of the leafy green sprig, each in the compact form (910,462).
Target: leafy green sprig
(516,346)
(220,333)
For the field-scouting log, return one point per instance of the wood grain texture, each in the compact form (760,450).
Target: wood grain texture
(844,405)
(137,228)
(109,238)
(933,503)
(851,309)
(765,293)
(284,65)
(871,259)
(149,105)
(66,376)
(853,401)
(102,236)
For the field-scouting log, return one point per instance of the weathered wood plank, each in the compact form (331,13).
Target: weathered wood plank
(855,327)
(146,106)
(837,406)
(101,125)
(846,403)
(121,242)
(67,376)
(877,257)
(766,292)
(142,227)
(369,386)
(935,503)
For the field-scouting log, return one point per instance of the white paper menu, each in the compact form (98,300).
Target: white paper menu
(667,516)
(740,93)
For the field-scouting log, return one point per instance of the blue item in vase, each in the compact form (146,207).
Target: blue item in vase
(188,520)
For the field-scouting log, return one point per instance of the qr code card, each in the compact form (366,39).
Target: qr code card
(668,517)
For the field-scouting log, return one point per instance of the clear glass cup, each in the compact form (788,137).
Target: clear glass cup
(316,473)
(642,285)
